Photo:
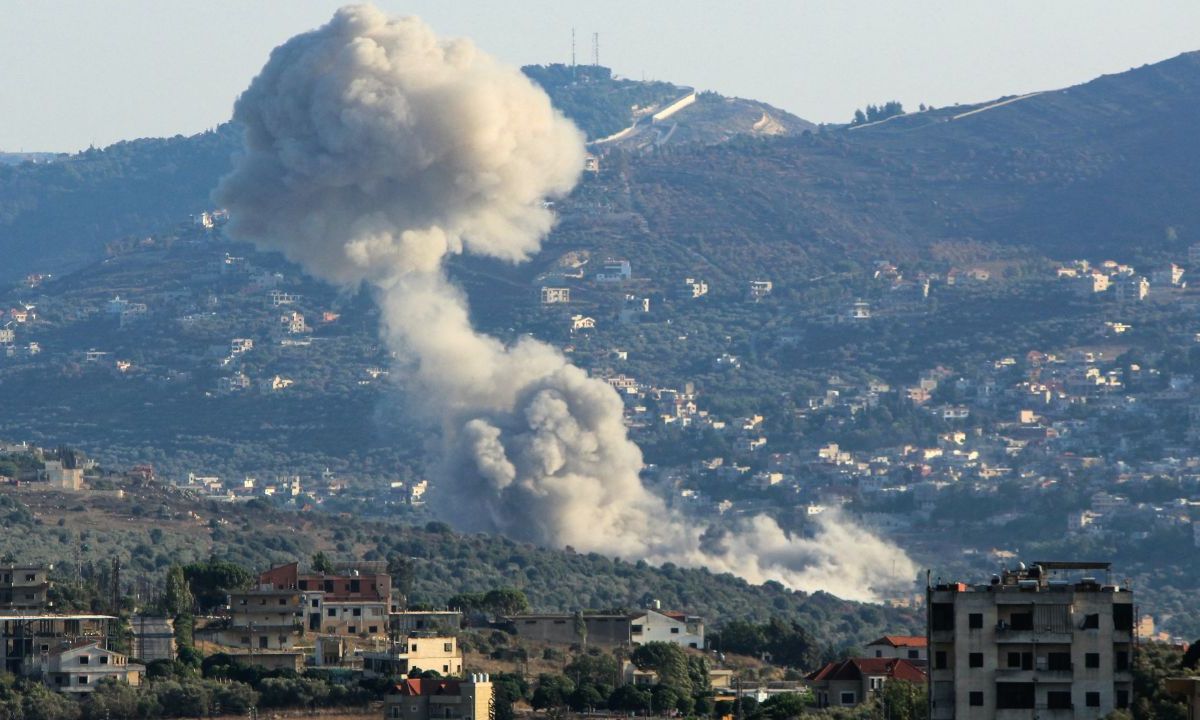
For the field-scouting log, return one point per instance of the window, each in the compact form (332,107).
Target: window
(245,641)
(1021,621)
(303,584)
(373,629)
(1093,699)
(1091,621)
(83,679)
(1122,661)
(1014,696)
(328,586)
(445,668)
(103,659)
(1091,660)
(975,660)
(283,601)
(355,586)
(914,654)
(30,578)
(1058,661)
(414,648)
(1122,699)
(447,647)
(353,629)
(84,659)
(58,679)
(1058,699)
(331,612)
(1022,660)
(263,642)
(316,603)
(357,612)
(976,698)
(675,631)
(975,621)
(939,660)
(1123,617)
(635,629)
(848,698)
(942,616)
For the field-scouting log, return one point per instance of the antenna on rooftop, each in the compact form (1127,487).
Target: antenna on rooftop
(572,53)
(595,48)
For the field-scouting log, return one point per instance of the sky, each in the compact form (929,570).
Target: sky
(79,73)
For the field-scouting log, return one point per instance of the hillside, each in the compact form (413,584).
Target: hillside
(153,527)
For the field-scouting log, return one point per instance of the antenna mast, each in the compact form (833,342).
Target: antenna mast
(595,48)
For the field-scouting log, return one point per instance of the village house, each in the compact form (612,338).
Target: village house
(852,682)
(430,699)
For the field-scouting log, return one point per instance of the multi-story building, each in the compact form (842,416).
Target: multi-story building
(355,603)
(423,699)
(24,587)
(439,653)
(268,618)
(25,638)
(78,667)
(906,647)
(568,629)
(1048,638)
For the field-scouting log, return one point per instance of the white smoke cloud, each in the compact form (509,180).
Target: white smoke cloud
(375,150)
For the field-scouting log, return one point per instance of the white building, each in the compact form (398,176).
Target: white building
(555,295)
(673,627)
(80,666)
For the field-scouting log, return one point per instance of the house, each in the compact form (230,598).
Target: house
(439,653)
(905,647)
(855,681)
(427,699)
(268,619)
(352,604)
(614,271)
(555,295)
(694,288)
(759,289)
(582,322)
(78,667)
(673,627)
(293,323)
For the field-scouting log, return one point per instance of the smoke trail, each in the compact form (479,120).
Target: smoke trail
(374,150)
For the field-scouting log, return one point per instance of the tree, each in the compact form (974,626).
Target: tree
(629,698)
(505,601)
(211,581)
(177,597)
(669,661)
(321,563)
(553,691)
(902,700)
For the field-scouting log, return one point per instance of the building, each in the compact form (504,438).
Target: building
(439,653)
(24,587)
(568,629)
(64,475)
(355,603)
(555,295)
(153,638)
(855,681)
(759,289)
(78,667)
(406,622)
(269,619)
(26,637)
(1048,637)
(1187,689)
(426,699)
(672,627)
(905,647)
(614,271)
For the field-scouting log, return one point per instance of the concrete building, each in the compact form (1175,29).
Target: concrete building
(1051,638)
(555,295)
(423,699)
(568,629)
(64,475)
(352,603)
(673,627)
(1187,689)
(852,682)
(25,638)
(78,667)
(153,638)
(24,587)
(268,619)
(406,622)
(439,653)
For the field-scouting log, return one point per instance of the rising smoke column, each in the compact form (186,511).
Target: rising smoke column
(375,150)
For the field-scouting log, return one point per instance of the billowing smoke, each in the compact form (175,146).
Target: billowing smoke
(375,150)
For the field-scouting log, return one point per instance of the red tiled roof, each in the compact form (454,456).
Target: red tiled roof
(856,668)
(915,641)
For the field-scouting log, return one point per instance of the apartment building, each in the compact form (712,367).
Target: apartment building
(26,638)
(423,699)
(1049,638)
(267,618)
(354,603)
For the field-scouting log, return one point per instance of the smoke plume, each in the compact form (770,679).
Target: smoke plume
(375,150)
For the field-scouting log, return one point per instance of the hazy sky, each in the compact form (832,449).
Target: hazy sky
(82,72)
